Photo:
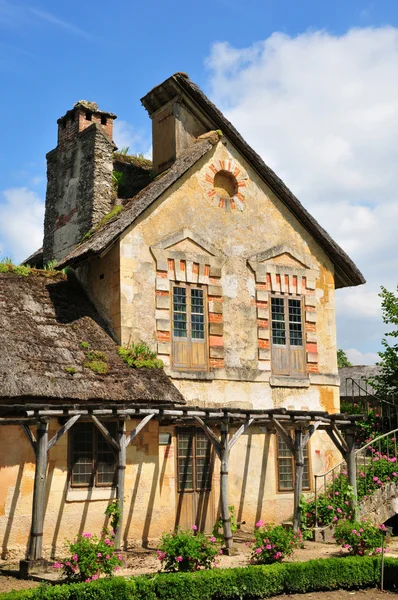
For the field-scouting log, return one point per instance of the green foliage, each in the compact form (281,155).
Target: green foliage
(348,573)
(70,370)
(97,361)
(219,133)
(187,551)
(386,383)
(113,511)
(218,525)
(8,267)
(273,543)
(124,150)
(89,557)
(342,360)
(140,356)
(335,503)
(50,266)
(112,213)
(359,538)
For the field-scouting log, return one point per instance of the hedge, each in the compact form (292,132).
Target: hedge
(222,584)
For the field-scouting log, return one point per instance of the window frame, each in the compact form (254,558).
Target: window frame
(288,346)
(307,458)
(189,340)
(195,489)
(93,483)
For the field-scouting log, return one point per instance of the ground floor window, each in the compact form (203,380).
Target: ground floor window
(286,467)
(194,458)
(92,459)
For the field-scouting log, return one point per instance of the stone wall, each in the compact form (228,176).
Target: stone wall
(79,188)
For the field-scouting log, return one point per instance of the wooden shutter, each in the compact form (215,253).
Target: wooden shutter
(288,352)
(189,337)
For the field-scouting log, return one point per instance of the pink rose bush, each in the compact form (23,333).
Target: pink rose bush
(273,543)
(90,557)
(188,550)
(359,538)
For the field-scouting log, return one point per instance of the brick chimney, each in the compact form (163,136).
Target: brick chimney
(79,178)
(176,122)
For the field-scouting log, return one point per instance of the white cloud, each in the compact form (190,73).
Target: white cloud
(322,110)
(358,358)
(21,223)
(126,136)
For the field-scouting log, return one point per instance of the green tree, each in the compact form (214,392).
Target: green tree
(342,360)
(386,383)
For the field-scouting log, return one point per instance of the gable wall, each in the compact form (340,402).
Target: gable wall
(238,374)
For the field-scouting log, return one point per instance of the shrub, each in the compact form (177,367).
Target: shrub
(259,581)
(139,356)
(187,551)
(359,537)
(90,557)
(273,543)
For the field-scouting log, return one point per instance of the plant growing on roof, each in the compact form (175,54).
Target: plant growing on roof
(140,356)
(97,361)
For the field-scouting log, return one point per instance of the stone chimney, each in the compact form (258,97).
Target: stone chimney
(79,178)
(176,122)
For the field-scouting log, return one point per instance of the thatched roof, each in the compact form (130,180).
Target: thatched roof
(137,205)
(346,272)
(43,321)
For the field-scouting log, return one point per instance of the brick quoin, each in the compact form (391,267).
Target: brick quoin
(162,274)
(261,304)
(64,219)
(263,344)
(216,363)
(261,286)
(214,280)
(216,340)
(312,368)
(262,323)
(311,347)
(310,327)
(215,299)
(161,293)
(215,318)
(163,336)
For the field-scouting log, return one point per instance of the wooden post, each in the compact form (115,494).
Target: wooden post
(298,478)
(39,493)
(351,467)
(226,521)
(121,469)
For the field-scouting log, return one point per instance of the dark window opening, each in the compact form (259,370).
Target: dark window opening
(103,120)
(102,276)
(89,116)
(93,460)
(194,457)
(286,468)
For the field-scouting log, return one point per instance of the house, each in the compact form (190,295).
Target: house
(209,259)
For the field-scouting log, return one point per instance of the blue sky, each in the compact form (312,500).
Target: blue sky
(286,72)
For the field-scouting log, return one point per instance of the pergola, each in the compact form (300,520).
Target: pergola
(294,426)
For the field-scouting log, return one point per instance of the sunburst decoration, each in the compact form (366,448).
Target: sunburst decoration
(225,184)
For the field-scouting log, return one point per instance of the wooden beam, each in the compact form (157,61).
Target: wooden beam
(30,436)
(336,442)
(298,476)
(121,469)
(284,435)
(312,430)
(105,433)
(224,503)
(130,438)
(63,430)
(238,433)
(39,493)
(339,436)
(213,439)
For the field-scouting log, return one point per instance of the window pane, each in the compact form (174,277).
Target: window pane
(203,462)
(295,323)
(185,460)
(278,321)
(197,315)
(285,466)
(106,458)
(82,454)
(179,312)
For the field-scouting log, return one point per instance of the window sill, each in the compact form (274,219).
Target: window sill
(89,494)
(293,382)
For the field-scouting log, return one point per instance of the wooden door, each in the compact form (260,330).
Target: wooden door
(195,502)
